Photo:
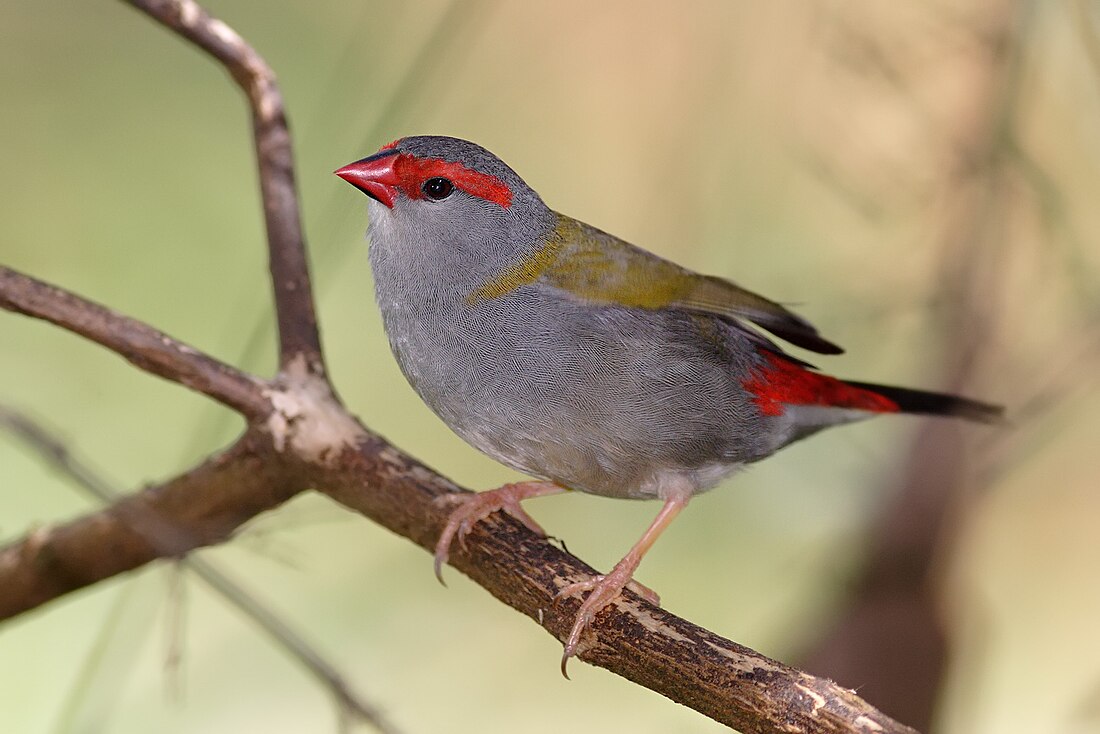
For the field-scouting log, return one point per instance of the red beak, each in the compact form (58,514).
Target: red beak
(374,176)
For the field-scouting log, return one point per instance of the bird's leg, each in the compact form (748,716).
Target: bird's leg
(469,509)
(604,589)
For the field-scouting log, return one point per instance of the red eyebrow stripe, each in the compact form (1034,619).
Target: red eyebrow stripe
(414,171)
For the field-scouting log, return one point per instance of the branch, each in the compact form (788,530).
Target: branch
(730,683)
(138,343)
(309,439)
(297,319)
(199,508)
(58,456)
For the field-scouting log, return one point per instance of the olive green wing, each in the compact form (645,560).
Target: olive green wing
(708,294)
(601,268)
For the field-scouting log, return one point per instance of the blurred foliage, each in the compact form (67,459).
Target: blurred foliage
(811,152)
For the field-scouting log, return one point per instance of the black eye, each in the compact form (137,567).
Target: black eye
(437,188)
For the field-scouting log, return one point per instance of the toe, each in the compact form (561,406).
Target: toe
(578,587)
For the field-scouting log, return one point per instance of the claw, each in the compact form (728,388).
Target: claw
(605,589)
(440,559)
(471,509)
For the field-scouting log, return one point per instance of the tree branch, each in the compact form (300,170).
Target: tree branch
(730,683)
(58,456)
(201,507)
(644,643)
(295,314)
(306,438)
(139,343)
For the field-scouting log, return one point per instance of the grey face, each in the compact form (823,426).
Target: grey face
(448,209)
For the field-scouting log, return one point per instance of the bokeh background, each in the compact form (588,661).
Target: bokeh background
(918,178)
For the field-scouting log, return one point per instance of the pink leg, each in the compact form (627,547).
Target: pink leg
(604,589)
(472,508)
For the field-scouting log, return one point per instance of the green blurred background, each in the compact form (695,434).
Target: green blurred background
(919,178)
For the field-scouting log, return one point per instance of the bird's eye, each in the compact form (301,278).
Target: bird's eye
(438,188)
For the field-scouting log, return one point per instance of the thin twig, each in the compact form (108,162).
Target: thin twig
(58,456)
(295,313)
(92,694)
(139,343)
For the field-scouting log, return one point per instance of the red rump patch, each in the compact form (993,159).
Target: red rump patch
(782,382)
(413,172)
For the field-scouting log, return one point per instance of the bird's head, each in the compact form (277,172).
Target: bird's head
(450,197)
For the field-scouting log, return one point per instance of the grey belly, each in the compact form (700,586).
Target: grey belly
(611,401)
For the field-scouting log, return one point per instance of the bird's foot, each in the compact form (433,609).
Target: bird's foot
(469,509)
(602,590)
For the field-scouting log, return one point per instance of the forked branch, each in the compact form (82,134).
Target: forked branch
(299,436)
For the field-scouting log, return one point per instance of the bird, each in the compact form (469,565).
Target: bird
(581,360)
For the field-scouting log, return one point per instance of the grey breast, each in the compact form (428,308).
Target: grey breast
(601,399)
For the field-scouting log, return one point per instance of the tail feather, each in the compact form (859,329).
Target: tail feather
(934,403)
(782,382)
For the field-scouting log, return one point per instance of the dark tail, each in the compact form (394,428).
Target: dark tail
(934,403)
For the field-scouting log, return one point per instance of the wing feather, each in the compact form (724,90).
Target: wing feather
(599,267)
